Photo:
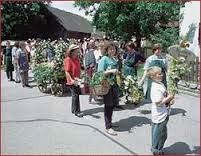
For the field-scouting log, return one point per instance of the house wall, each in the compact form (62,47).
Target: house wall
(77,35)
(191,13)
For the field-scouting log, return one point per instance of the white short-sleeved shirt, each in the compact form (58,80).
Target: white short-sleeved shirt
(14,49)
(159,113)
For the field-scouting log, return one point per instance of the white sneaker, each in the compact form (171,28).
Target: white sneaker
(92,100)
(111,132)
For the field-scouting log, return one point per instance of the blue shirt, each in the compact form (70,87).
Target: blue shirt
(107,63)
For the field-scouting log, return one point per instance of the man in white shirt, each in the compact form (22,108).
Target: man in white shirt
(15,62)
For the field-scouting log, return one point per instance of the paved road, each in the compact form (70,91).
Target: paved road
(36,123)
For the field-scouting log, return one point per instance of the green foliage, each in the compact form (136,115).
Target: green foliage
(134,93)
(122,20)
(42,73)
(60,51)
(97,78)
(167,37)
(191,32)
(18,14)
(39,55)
(177,69)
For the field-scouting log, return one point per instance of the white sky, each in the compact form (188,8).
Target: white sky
(68,6)
(191,15)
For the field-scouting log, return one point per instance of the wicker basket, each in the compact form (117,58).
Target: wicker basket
(101,89)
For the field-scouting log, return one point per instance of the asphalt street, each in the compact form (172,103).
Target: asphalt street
(37,123)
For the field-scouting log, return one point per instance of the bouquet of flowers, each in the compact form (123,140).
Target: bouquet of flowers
(176,70)
(39,53)
(134,93)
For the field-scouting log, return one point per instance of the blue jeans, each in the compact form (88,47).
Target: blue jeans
(159,136)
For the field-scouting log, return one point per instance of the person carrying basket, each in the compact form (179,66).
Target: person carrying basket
(108,65)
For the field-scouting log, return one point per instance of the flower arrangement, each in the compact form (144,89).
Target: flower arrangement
(177,69)
(134,93)
(58,60)
(39,53)
(42,74)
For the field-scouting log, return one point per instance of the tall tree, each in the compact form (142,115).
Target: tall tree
(16,15)
(122,20)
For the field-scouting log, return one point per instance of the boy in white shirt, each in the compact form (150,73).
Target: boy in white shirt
(160,114)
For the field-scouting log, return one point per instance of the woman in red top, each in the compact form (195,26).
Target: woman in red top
(72,69)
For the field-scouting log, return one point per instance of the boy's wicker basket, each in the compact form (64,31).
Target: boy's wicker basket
(101,89)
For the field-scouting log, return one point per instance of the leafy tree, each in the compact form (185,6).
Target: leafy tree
(19,14)
(166,38)
(191,32)
(123,20)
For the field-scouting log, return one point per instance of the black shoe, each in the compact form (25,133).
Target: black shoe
(80,115)
(28,86)
(119,107)
(17,81)
(161,153)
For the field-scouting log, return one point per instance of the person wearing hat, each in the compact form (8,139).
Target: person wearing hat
(72,69)
(154,60)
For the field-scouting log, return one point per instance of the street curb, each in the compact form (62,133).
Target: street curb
(188,91)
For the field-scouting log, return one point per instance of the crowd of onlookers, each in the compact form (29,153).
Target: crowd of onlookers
(19,57)
(110,57)
(112,62)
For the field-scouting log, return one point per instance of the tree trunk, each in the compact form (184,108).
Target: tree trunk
(138,41)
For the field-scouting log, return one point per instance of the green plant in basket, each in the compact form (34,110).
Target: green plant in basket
(97,78)
(99,84)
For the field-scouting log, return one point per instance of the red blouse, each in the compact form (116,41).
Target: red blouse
(72,65)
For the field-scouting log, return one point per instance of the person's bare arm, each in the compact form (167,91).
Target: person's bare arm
(143,78)
(111,71)
(69,77)
(165,100)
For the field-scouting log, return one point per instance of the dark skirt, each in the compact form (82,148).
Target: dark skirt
(8,64)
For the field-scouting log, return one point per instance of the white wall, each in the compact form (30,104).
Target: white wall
(191,15)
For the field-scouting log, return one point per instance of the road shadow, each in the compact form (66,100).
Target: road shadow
(181,148)
(144,111)
(175,111)
(93,111)
(132,122)
(134,106)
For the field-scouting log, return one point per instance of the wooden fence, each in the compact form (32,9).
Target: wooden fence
(194,74)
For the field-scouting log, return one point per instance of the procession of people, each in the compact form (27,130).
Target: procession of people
(107,56)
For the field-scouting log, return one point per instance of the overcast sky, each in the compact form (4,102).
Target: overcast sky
(68,6)
(191,15)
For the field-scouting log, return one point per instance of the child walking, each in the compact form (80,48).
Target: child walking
(160,112)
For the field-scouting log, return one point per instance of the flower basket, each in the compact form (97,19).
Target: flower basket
(101,89)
